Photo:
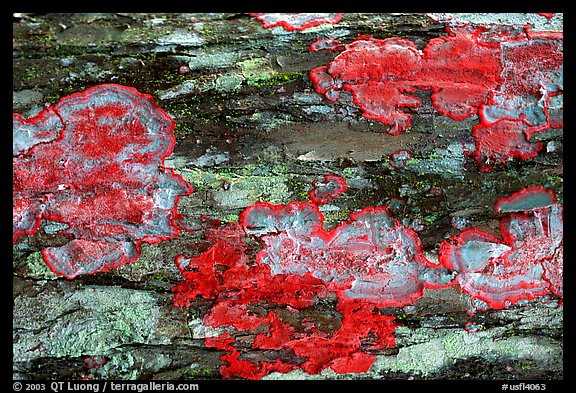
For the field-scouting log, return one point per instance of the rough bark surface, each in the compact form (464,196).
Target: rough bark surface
(251,128)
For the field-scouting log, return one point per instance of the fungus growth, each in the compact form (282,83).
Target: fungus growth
(381,74)
(484,71)
(369,262)
(95,161)
(371,257)
(372,261)
(327,43)
(297,21)
(399,158)
(224,274)
(525,264)
(331,188)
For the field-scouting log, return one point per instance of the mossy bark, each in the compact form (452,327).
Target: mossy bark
(251,128)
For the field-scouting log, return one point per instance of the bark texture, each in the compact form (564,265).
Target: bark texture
(251,128)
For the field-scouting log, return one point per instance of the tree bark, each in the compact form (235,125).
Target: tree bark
(251,128)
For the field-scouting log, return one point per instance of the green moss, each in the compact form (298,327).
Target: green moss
(112,316)
(280,169)
(299,188)
(525,364)
(161,277)
(554,180)
(182,129)
(198,107)
(230,218)
(336,216)
(256,71)
(171,76)
(244,187)
(199,373)
(28,74)
(349,171)
(38,268)
(432,218)
(516,332)
(412,161)
(278,79)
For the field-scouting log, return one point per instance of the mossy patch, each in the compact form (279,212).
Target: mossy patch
(256,71)
(37,268)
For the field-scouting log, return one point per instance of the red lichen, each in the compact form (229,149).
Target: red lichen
(525,264)
(399,158)
(522,106)
(325,44)
(95,361)
(331,188)
(43,128)
(381,74)
(372,257)
(89,256)
(484,71)
(341,353)
(94,161)
(548,15)
(501,142)
(366,263)
(225,275)
(527,199)
(297,21)
(369,262)
(222,271)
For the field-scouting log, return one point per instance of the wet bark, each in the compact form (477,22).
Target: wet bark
(251,128)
